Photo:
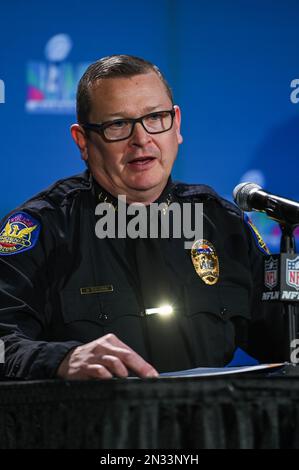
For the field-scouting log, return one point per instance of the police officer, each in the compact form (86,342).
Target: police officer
(75,306)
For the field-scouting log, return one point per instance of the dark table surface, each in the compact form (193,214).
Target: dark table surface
(238,411)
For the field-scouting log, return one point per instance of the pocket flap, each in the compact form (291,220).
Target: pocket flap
(99,307)
(223,301)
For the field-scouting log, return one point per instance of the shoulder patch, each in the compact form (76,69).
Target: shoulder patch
(256,235)
(18,233)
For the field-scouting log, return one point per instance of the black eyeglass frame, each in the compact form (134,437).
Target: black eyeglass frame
(100,128)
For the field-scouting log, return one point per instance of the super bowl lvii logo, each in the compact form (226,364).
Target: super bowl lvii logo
(2,92)
(52,82)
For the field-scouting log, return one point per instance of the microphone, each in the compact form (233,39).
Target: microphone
(250,196)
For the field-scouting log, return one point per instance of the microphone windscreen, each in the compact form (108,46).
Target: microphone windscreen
(242,193)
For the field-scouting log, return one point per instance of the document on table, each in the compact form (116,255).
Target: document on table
(211,371)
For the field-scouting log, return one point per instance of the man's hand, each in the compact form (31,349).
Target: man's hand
(104,358)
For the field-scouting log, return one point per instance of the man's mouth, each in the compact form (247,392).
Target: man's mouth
(141,161)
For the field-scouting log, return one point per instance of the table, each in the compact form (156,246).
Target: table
(171,413)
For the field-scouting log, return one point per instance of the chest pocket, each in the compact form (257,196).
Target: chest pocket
(102,308)
(218,317)
(223,302)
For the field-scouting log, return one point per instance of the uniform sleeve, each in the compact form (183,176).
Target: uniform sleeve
(25,248)
(266,329)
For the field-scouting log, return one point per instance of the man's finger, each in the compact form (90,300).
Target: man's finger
(113,346)
(97,371)
(135,363)
(113,364)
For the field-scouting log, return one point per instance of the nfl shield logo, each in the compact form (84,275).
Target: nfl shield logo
(292,273)
(271,273)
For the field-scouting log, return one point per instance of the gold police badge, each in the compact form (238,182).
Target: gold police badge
(205,261)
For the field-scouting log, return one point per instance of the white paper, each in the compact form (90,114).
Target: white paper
(210,371)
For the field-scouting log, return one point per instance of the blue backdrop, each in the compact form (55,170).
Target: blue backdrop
(233,66)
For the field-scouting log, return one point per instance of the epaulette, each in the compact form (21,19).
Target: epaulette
(203,193)
(60,192)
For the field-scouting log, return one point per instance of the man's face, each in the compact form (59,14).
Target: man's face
(139,166)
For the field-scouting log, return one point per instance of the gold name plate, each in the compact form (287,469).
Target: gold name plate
(96,289)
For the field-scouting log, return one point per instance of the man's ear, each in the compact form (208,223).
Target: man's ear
(79,137)
(177,123)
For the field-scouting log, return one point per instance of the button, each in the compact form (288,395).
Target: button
(103,316)
(223,311)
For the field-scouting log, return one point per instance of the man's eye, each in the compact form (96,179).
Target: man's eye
(118,124)
(155,117)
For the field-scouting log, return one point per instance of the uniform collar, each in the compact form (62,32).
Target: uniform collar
(101,195)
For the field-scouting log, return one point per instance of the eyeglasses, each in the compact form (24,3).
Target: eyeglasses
(121,129)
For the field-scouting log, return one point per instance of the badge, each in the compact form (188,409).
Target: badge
(205,261)
(18,233)
(257,236)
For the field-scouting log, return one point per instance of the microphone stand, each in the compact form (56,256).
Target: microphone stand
(281,283)
(288,247)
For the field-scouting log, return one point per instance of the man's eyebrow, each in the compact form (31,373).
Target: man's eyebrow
(146,110)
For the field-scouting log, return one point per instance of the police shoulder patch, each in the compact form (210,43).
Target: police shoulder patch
(18,233)
(256,236)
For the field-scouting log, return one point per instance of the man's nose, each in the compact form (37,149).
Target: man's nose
(140,136)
